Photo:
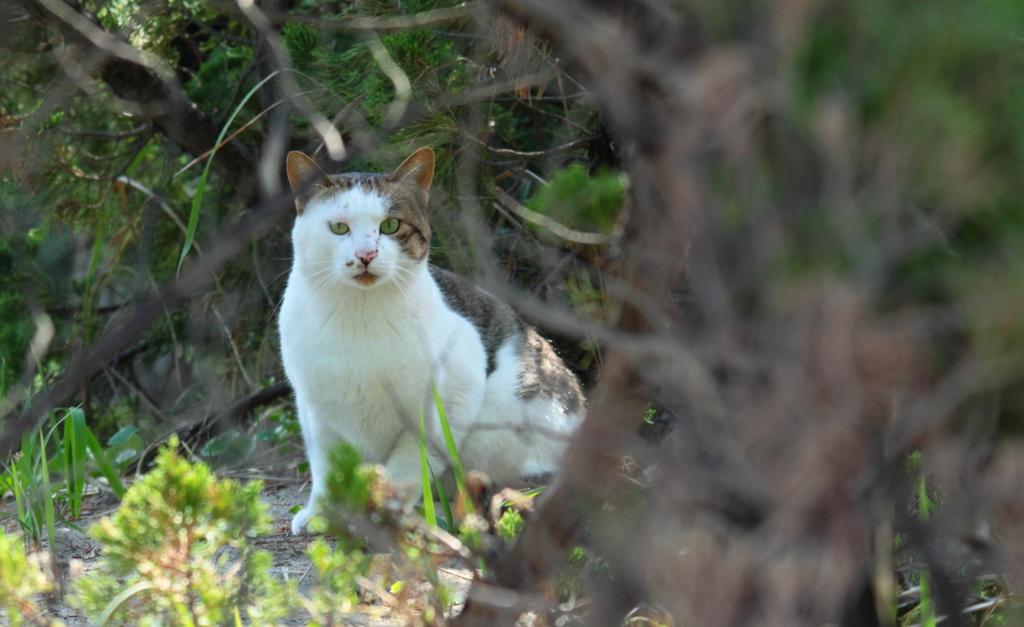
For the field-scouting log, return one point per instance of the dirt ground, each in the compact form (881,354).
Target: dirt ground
(77,552)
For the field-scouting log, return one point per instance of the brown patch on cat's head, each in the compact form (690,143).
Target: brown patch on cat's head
(418,168)
(307,179)
(408,188)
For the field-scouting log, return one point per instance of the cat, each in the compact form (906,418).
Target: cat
(369,328)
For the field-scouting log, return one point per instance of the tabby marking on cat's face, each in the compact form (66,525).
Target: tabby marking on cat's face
(361,230)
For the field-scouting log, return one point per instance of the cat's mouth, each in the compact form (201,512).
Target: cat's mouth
(366,278)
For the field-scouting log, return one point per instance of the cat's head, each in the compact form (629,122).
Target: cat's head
(361,230)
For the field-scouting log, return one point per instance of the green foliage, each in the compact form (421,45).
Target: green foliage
(426,476)
(302,42)
(16,326)
(27,280)
(349,482)
(223,64)
(181,543)
(510,524)
(48,475)
(22,577)
(581,200)
(337,570)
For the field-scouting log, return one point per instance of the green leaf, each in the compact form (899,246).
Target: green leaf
(122,435)
(219,444)
(48,513)
(104,465)
(197,200)
(125,456)
(123,596)
(271,435)
(75,438)
(428,495)
(449,442)
(444,503)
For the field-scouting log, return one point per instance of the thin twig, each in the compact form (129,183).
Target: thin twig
(341,116)
(139,130)
(234,348)
(141,394)
(227,139)
(576,144)
(562,231)
(225,36)
(380,24)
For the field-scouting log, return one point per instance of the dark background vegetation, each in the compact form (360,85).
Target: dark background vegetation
(793,229)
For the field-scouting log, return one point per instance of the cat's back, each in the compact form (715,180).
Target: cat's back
(518,358)
(495,322)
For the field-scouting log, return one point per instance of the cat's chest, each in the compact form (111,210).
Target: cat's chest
(370,355)
(361,354)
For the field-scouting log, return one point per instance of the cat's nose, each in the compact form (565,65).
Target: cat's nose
(366,256)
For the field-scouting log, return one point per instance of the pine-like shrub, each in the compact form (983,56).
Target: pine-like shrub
(179,552)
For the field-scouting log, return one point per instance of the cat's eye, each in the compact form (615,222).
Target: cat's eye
(339,228)
(389,226)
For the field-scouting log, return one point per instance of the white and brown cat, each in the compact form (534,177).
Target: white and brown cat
(368,327)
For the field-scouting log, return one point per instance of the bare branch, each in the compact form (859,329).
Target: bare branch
(82,368)
(564,232)
(135,132)
(382,25)
(136,77)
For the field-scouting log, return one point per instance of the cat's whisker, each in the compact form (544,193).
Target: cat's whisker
(274,280)
(321,288)
(403,280)
(320,285)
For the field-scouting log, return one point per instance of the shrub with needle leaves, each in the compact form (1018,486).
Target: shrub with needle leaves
(179,552)
(21,578)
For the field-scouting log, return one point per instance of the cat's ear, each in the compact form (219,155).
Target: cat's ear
(304,175)
(418,168)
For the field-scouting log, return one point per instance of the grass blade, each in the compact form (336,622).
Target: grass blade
(428,494)
(48,513)
(197,200)
(927,604)
(74,445)
(445,504)
(124,595)
(449,443)
(19,497)
(28,503)
(106,469)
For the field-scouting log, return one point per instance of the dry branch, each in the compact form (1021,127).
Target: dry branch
(653,255)
(136,78)
(270,212)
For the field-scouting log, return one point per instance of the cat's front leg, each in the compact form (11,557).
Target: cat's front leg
(306,514)
(405,469)
(316,451)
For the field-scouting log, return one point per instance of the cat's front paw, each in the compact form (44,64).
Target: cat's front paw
(302,518)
